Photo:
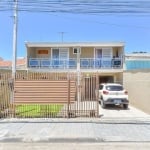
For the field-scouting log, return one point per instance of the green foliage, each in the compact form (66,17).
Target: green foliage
(36,110)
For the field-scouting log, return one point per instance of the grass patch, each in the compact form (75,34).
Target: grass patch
(33,111)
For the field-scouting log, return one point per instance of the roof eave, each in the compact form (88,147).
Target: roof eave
(74,44)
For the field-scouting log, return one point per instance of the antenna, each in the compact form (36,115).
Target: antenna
(62,36)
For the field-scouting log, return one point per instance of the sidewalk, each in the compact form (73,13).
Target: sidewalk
(75,130)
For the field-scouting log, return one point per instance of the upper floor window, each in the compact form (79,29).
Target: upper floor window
(76,50)
(42,51)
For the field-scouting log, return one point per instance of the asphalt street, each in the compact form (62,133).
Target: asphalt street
(75,146)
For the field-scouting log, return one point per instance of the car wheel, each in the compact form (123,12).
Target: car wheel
(103,105)
(125,106)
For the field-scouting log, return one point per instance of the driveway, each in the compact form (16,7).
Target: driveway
(110,112)
(120,113)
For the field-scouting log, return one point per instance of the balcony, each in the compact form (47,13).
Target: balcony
(85,63)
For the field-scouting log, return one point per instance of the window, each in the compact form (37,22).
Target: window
(114,88)
(101,87)
(76,50)
(42,51)
(107,53)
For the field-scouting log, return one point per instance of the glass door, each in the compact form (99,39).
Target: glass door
(63,56)
(106,57)
(98,57)
(55,58)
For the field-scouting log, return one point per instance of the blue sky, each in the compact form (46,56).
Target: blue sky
(134,30)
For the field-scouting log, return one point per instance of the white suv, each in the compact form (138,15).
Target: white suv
(112,93)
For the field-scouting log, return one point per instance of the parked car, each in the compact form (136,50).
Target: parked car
(112,93)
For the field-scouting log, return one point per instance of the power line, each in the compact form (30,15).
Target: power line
(80,6)
(108,23)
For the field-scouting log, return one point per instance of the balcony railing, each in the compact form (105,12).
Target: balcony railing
(85,63)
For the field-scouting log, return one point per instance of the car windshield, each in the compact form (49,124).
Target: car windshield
(114,88)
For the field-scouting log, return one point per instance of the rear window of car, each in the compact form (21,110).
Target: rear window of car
(114,88)
(101,87)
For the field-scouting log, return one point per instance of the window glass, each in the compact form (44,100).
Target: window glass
(101,87)
(76,50)
(114,88)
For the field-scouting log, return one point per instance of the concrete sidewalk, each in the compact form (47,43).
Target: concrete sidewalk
(75,130)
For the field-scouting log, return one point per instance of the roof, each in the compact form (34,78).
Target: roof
(8,63)
(5,63)
(136,56)
(74,44)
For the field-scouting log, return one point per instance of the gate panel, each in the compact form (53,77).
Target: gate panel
(43,95)
(43,92)
(89,85)
(87,104)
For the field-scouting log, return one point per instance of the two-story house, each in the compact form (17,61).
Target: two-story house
(105,59)
(82,66)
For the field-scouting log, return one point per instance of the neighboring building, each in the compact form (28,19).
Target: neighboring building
(7,64)
(137,61)
(136,79)
(21,63)
(105,59)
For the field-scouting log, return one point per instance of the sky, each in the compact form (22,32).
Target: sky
(134,30)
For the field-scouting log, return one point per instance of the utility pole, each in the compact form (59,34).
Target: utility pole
(15,17)
(14,38)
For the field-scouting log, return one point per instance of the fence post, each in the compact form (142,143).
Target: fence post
(68,110)
(97,88)
(10,100)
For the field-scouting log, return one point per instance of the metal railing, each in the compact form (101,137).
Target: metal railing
(85,63)
(6,88)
